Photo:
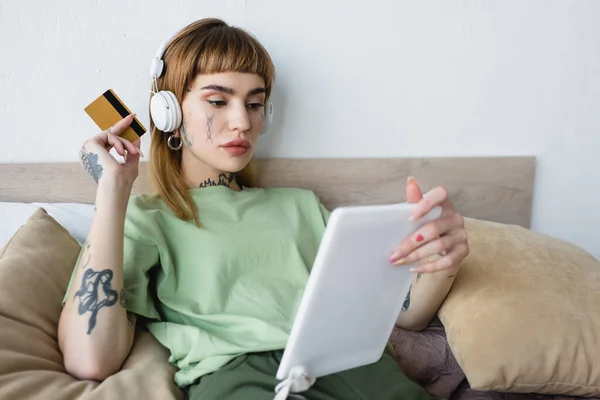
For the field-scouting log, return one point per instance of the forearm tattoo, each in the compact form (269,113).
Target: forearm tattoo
(90,162)
(186,137)
(406,303)
(123,302)
(209,127)
(86,256)
(225,179)
(95,293)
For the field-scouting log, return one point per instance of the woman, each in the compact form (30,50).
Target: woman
(214,265)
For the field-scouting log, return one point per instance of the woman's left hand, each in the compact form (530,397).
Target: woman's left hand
(445,235)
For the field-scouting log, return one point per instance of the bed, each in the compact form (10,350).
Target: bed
(493,188)
(498,190)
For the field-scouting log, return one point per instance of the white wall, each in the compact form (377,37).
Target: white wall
(355,78)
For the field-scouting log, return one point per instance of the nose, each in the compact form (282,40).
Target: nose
(239,120)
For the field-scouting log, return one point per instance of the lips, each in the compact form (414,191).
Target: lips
(237,147)
(237,143)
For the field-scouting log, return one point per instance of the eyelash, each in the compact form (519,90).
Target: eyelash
(221,103)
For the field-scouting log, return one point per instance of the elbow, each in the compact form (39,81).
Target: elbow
(412,322)
(83,369)
(418,326)
(85,359)
(85,365)
(412,326)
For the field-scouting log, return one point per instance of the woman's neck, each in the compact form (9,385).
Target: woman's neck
(199,175)
(227,179)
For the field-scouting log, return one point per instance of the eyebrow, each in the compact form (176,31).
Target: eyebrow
(230,91)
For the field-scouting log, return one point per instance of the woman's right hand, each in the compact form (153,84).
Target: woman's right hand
(101,165)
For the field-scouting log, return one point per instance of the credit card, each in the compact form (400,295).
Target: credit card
(108,109)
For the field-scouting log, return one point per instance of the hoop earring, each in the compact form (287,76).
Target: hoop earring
(170,143)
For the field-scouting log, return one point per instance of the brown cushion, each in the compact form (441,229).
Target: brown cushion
(524,313)
(35,267)
(464,392)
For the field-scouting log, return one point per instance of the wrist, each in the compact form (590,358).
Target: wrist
(115,183)
(114,188)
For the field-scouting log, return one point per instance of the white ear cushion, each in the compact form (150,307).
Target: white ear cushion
(165,111)
(268,117)
(158,111)
(175,114)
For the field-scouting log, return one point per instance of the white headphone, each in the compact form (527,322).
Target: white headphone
(165,110)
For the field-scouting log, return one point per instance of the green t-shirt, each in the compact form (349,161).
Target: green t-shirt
(227,288)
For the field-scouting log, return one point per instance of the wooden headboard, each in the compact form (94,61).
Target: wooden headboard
(496,189)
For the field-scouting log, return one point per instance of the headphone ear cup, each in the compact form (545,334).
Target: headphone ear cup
(268,117)
(165,111)
(159,109)
(175,114)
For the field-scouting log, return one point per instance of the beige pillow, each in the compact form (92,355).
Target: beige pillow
(524,313)
(35,267)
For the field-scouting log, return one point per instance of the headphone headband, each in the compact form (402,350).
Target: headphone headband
(157,64)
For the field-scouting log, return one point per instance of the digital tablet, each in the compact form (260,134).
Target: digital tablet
(354,294)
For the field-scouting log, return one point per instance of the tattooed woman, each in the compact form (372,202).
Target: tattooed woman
(212,265)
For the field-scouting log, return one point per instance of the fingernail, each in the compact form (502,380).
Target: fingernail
(394,257)
(411,179)
(415,270)
(400,261)
(140,151)
(419,238)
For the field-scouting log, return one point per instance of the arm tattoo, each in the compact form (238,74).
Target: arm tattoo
(122,299)
(406,303)
(90,162)
(225,179)
(123,302)
(131,318)
(95,292)
(86,251)
(209,127)
(186,137)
